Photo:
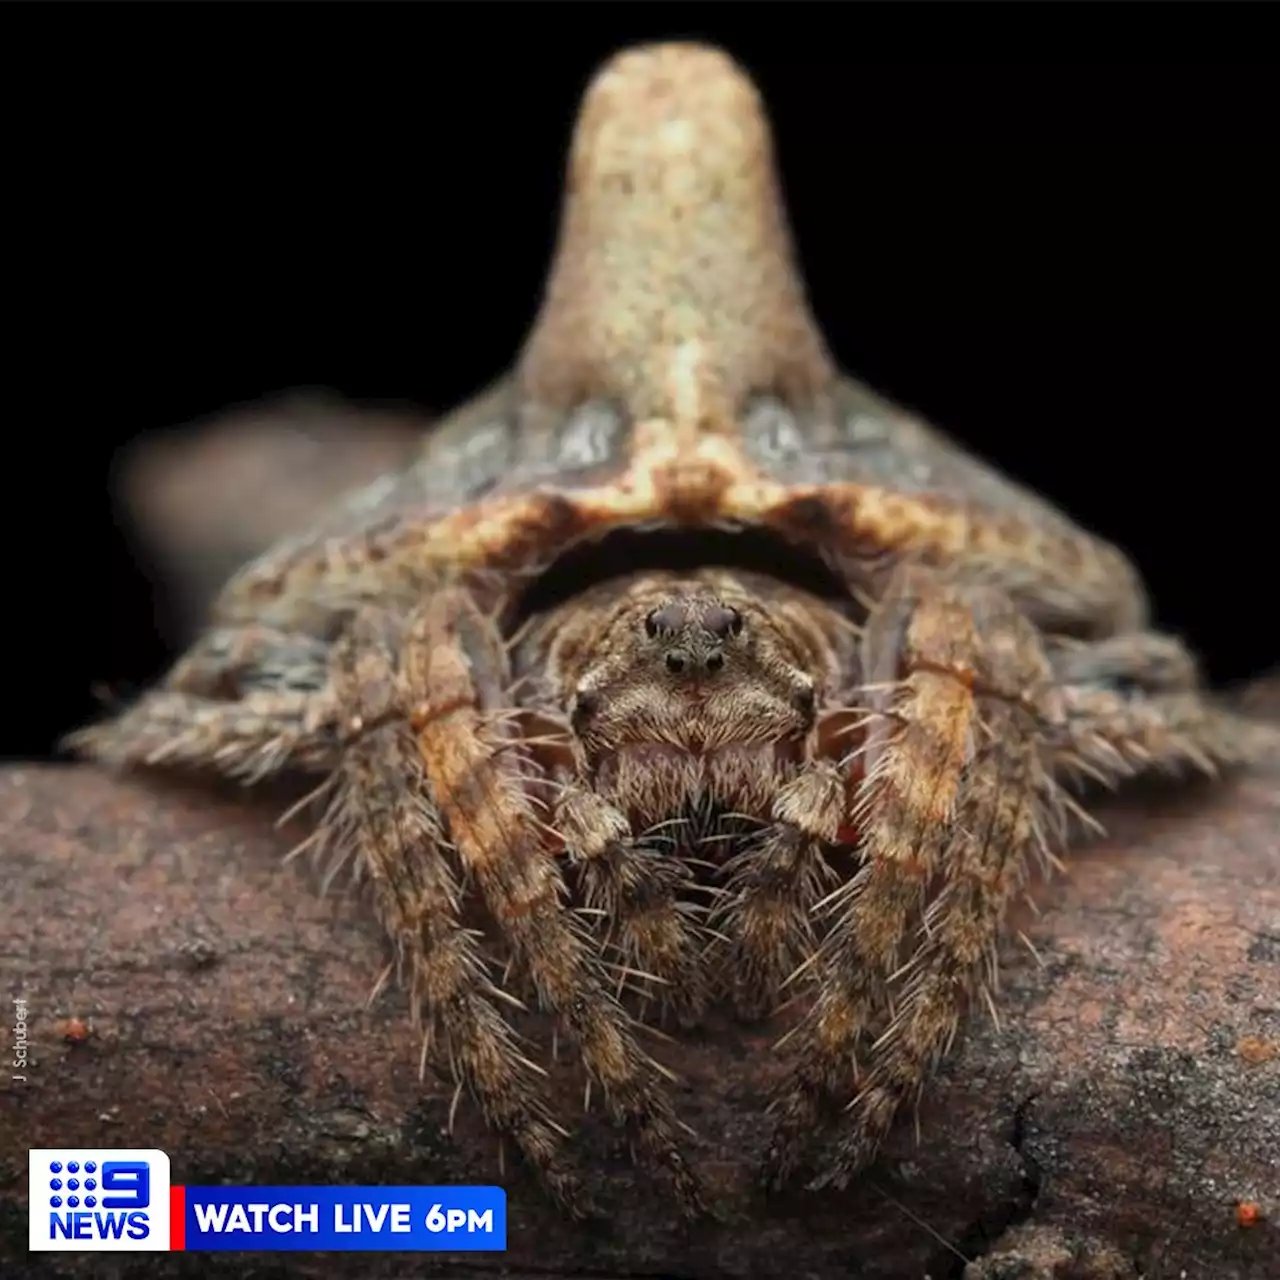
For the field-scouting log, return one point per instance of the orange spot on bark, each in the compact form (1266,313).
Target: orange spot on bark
(1255,1050)
(1248,1213)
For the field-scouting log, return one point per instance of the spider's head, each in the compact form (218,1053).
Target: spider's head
(692,664)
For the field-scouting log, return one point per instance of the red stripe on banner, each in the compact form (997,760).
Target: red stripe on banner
(177,1218)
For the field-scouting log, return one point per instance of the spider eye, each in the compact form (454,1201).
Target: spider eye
(667,619)
(675,663)
(722,621)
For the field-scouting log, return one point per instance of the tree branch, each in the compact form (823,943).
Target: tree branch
(1130,1100)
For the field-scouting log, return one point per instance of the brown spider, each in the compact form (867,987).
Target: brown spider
(677,606)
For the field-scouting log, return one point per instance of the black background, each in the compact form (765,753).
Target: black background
(1069,264)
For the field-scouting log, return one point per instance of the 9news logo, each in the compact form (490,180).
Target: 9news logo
(82,1199)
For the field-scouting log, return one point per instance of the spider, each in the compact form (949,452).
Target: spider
(709,673)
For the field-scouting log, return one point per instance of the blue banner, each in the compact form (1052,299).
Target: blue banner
(343,1219)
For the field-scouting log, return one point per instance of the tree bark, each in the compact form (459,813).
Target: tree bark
(187,991)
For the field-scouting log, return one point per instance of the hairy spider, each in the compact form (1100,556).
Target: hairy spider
(712,673)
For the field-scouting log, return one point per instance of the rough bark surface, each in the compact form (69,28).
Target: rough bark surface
(189,992)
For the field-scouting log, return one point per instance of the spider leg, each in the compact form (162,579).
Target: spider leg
(1143,660)
(247,702)
(456,665)
(253,701)
(958,795)
(1006,810)
(635,889)
(381,814)
(249,739)
(1110,735)
(953,800)
(772,886)
(1133,703)
(999,822)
